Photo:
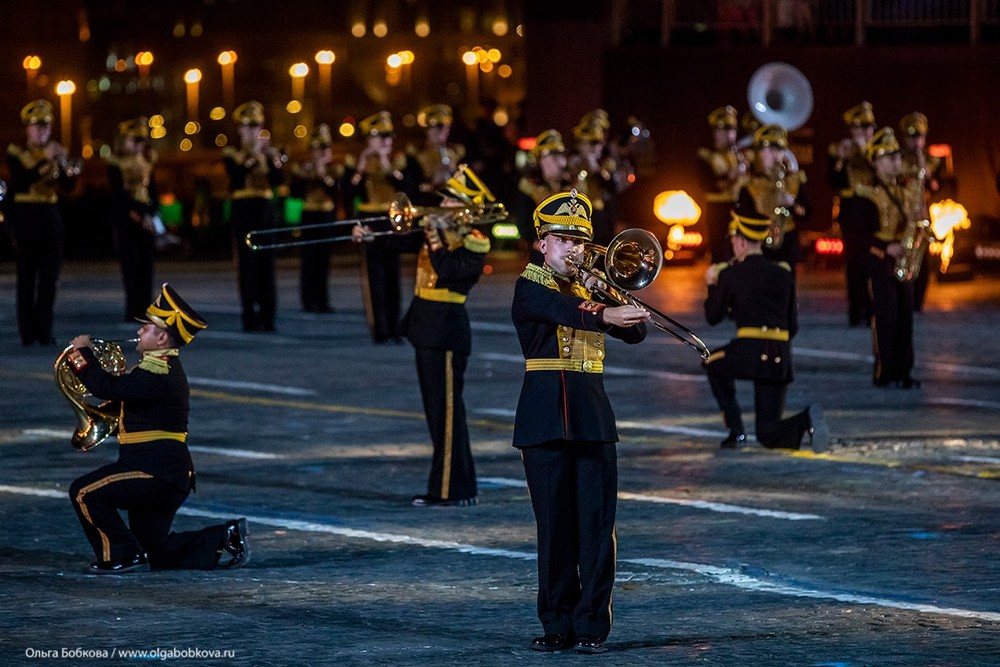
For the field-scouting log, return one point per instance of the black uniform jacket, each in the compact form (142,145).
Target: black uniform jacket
(759,295)
(561,405)
(153,430)
(437,317)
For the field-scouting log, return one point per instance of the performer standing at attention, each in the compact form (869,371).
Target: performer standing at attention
(565,428)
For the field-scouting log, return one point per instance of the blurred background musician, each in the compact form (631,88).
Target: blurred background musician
(723,166)
(925,169)
(545,176)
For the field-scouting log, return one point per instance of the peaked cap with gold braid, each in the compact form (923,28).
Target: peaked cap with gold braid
(171,313)
(565,214)
(466,186)
(753,227)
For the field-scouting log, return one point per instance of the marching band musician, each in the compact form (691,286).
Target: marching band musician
(255,168)
(886,210)
(449,263)
(776,188)
(724,165)
(438,159)
(317,182)
(759,294)
(153,474)
(546,177)
(37,172)
(847,168)
(565,428)
(923,168)
(373,181)
(134,203)
(594,173)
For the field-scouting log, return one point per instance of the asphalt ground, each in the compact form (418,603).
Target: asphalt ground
(881,551)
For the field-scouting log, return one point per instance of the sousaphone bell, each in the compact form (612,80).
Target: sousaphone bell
(780,94)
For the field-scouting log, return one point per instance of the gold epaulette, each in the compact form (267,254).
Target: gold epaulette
(541,275)
(477,242)
(863,190)
(15,150)
(785,265)
(155,362)
(230,151)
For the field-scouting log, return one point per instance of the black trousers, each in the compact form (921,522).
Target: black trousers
(136,251)
(892,324)
(381,287)
(38,233)
(256,268)
(769,406)
(151,504)
(315,266)
(574,494)
(442,380)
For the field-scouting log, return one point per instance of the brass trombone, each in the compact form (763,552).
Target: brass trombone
(402,215)
(632,261)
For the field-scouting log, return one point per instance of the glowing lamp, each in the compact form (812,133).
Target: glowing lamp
(676,207)
(946,217)
(829,247)
(505,230)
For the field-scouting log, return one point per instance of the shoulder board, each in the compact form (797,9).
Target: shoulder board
(785,265)
(154,365)
(864,190)
(477,242)
(113,161)
(705,154)
(540,275)
(526,186)
(14,149)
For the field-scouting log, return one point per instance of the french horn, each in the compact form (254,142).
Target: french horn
(95,423)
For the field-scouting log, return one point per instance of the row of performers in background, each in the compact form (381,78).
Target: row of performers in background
(366,186)
(884,184)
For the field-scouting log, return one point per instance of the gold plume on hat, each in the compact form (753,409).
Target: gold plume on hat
(883,142)
(860,115)
(723,118)
(377,123)
(549,141)
(435,115)
(37,112)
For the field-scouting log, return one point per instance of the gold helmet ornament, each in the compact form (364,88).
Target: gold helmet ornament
(435,115)
(321,136)
(249,113)
(171,313)
(134,128)
(723,118)
(883,142)
(913,124)
(770,135)
(549,141)
(38,112)
(860,116)
(378,124)
(753,226)
(593,127)
(565,214)
(466,186)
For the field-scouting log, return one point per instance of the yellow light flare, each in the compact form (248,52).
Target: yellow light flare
(394,61)
(298,70)
(32,63)
(217,113)
(294,106)
(422,28)
(192,76)
(325,57)
(676,207)
(144,58)
(946,217)
(346,129)
(227,58)
(66,87)
(469,58)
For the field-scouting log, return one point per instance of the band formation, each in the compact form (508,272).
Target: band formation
(430,200)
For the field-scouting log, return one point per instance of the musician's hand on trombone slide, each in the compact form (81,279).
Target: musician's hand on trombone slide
(624,316)
(361,233)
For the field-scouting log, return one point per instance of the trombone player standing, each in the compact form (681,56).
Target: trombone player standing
(565,428)
(449,263)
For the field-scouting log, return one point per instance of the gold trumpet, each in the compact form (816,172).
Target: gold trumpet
(95,423)
(632,261)
(402,215)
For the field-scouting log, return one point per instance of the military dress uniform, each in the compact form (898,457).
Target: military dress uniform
(449,264)
(134,201)
(317,184)
(721,167)
(759,295)
(371,191)
(761,193)
(593,173)
(923,168)
(565,429)
(438,159)
(253,174)
(154,473)
(844,175)
(888,209)
(37,173)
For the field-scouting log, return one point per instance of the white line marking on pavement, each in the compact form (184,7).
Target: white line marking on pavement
(699,504)
(234,384)
(719,575)
(624,425)
(936,365)
(964,402)
(978,459)
(235,453)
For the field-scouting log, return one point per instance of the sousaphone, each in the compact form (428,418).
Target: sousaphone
(779,94)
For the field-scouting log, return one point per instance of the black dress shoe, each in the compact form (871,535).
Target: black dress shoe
(819,432)
(735,440)
(137,563)
(236,546)
(552,643)
(434,501)
(590,644)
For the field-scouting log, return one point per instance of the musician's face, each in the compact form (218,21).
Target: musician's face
(249,134)
(558,250)
(38,133)
(888,166)
(553,165)
(151,337)
(862,133)
(769,156)
(724,137)
(438,134)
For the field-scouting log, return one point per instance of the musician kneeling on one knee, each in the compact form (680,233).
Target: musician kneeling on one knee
(154,473)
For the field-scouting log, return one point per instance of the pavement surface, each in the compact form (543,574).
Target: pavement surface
(882,551)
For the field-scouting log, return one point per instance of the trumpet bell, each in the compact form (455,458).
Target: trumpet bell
(633,259)
(780,94)
(402,213)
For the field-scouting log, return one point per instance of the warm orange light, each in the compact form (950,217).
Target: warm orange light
(144,58)
(66,87)
(829,247)
(298,70)
(394,61)
(406,57)
(325,57)
(526,143)
(469,58)
(227,58)
(32,62)
(192,76)
(946,217)
(676,207)
(939,150)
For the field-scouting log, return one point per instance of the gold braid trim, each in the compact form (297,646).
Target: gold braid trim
(156,362)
